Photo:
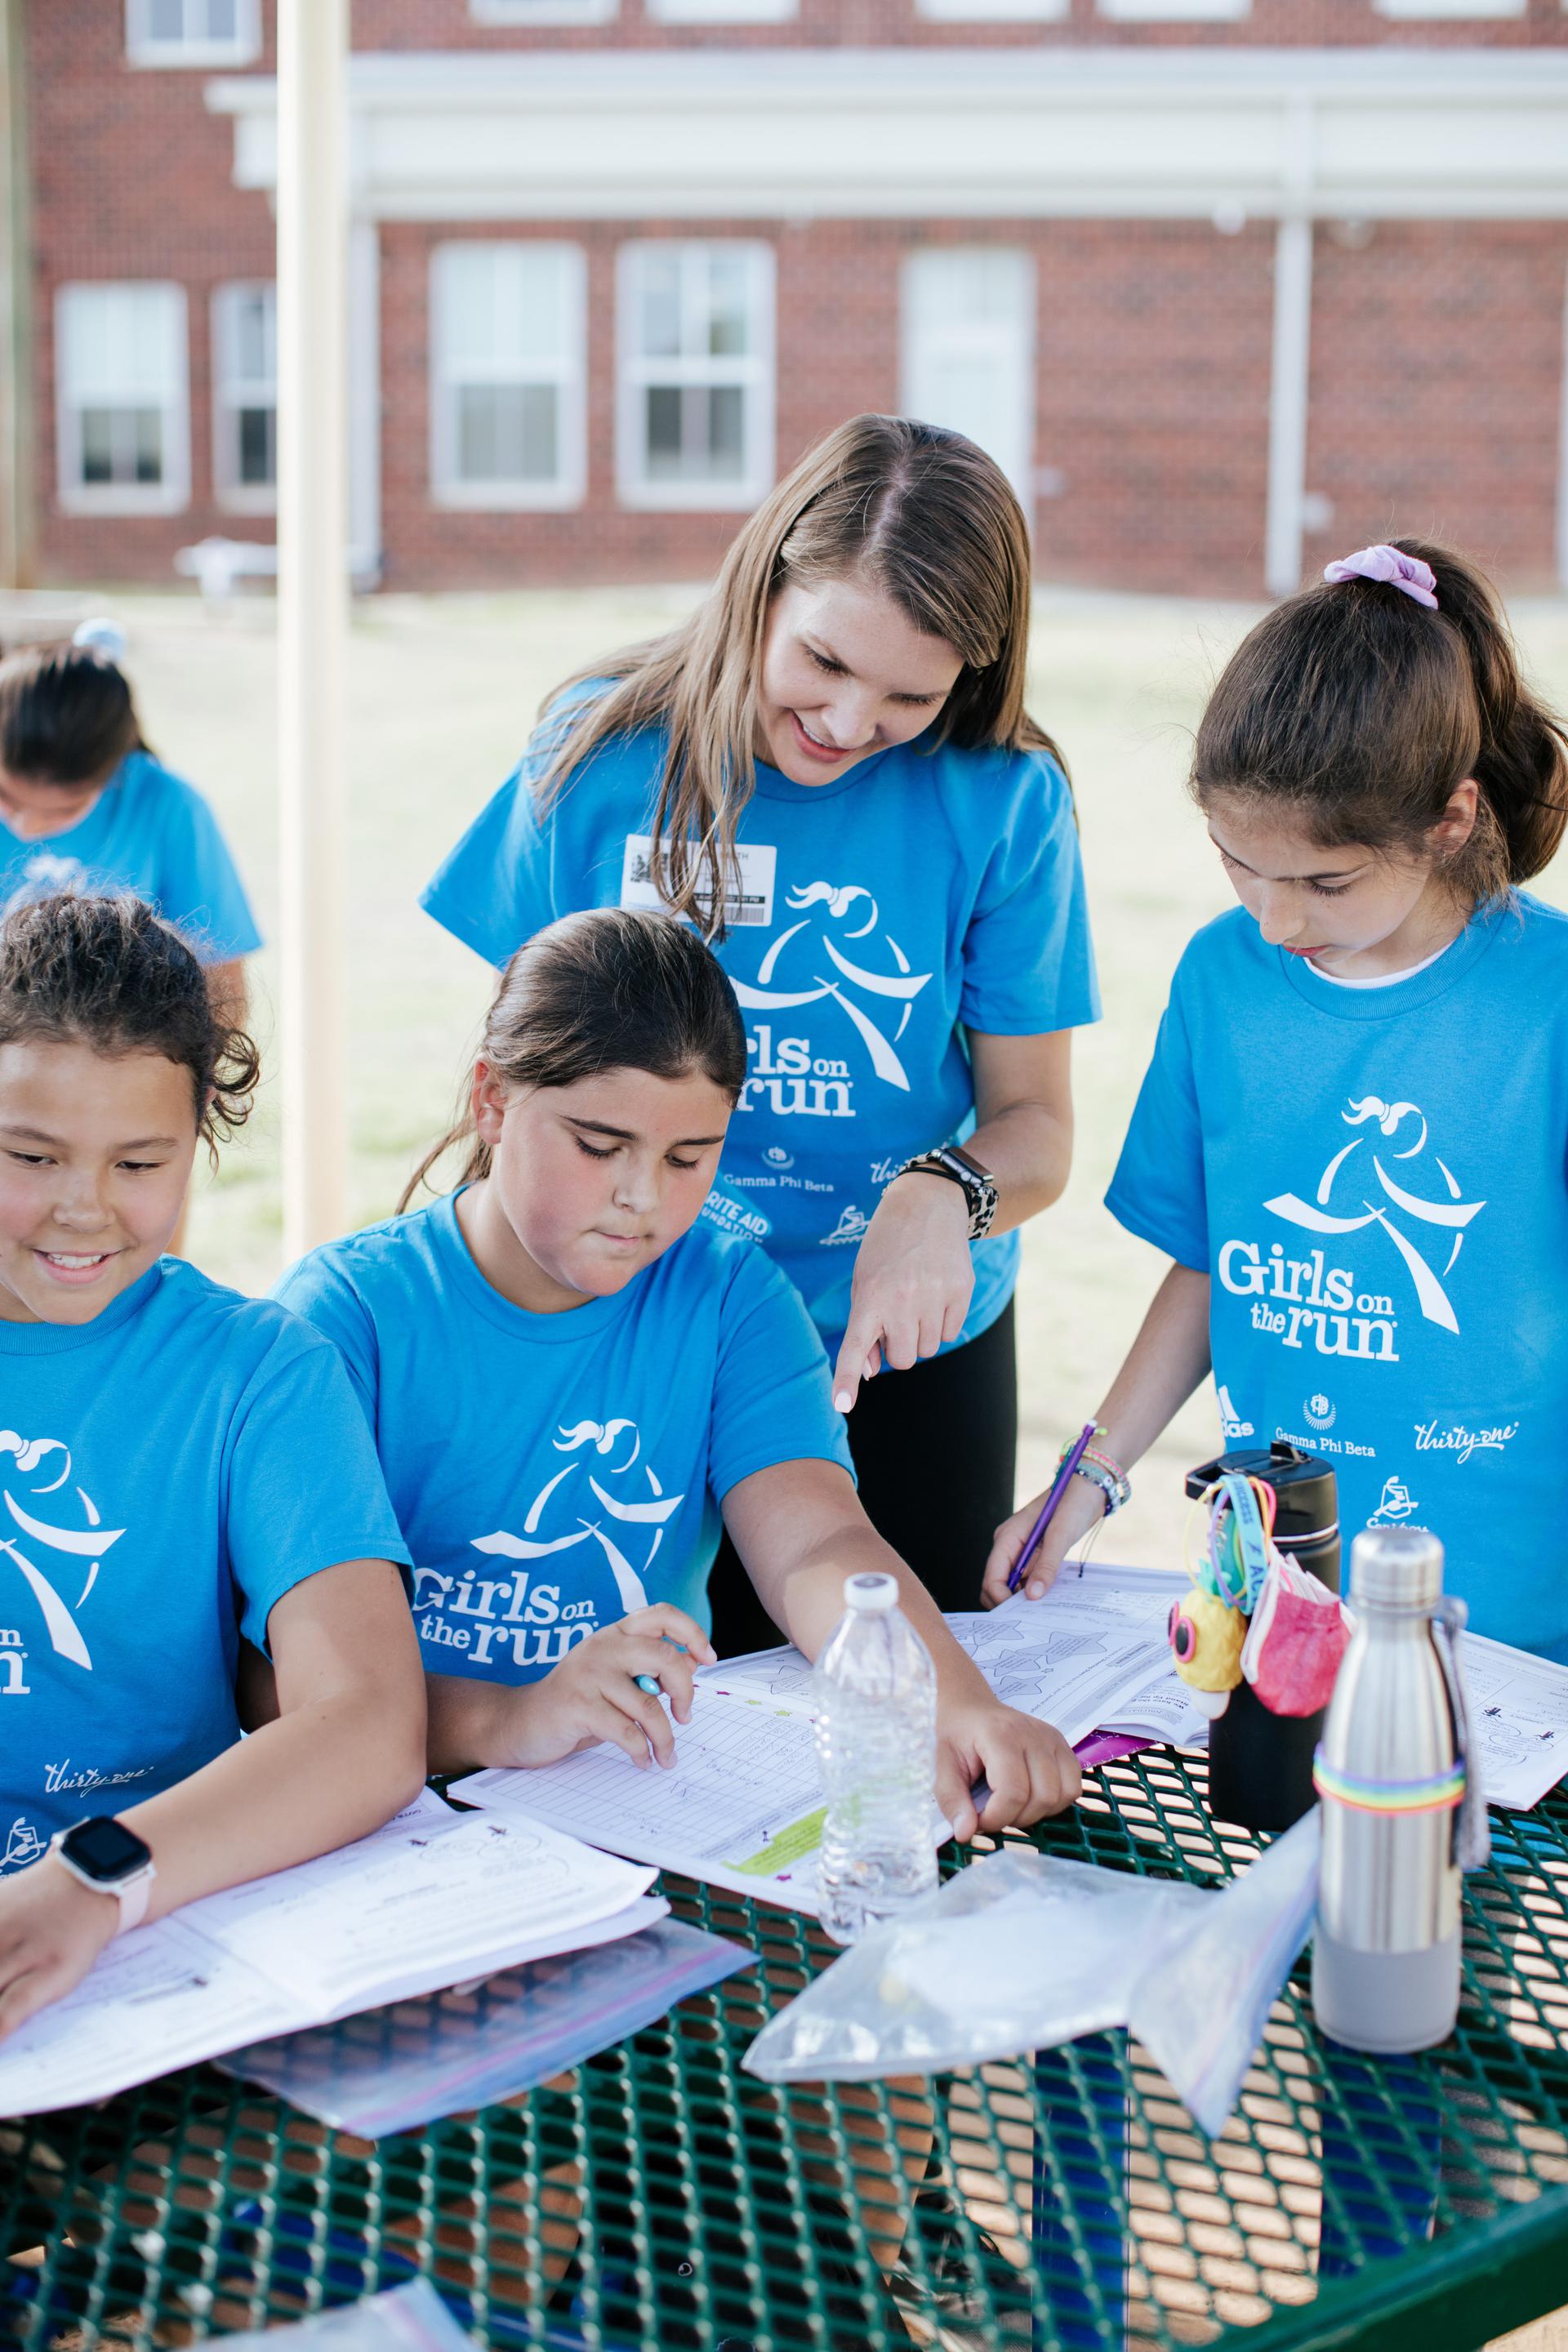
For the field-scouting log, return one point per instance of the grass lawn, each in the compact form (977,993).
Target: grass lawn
(442,693)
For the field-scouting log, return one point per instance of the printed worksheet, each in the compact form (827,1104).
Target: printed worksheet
(742,1807)
(433,1899)
(1092,1656)
(1519,1720)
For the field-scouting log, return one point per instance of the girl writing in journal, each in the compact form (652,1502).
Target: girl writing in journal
(1352,1139)
(574,1379)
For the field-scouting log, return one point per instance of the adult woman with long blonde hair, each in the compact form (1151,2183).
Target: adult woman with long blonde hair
(829,770)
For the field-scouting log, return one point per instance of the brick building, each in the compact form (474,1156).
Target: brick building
(1221,282)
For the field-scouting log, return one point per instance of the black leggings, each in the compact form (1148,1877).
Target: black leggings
(934,1451)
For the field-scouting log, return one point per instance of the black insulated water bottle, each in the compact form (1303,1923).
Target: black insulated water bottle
(1261,1765)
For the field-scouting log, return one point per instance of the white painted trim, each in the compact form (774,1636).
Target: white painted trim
(1173,11)
(544,12)
(447,489)
(722,12)
(142,50)
(757,373)
(1414,10)
(997,12)
(173,494)
(1041,132)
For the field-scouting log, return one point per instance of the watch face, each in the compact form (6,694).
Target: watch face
(104,1850)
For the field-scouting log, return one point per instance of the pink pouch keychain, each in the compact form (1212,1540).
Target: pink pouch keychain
(1296,1641)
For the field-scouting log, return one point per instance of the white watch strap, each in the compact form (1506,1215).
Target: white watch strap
(134,1898)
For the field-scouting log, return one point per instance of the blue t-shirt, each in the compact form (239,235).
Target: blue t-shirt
(168,1471)
(150,834)
(923,891)
(1376,1182)
(554,1472)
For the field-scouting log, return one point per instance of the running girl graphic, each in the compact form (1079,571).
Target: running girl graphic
(1452,1215)
(618,1445)
(79,1548)
(889,989)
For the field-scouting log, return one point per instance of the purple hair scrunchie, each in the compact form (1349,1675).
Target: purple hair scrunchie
(1406,572)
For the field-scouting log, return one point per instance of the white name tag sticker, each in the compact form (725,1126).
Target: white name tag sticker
(749,893)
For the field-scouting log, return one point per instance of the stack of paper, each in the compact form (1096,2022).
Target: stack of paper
(433,1899)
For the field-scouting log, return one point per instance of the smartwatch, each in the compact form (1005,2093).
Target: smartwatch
(104,1856)
(960,1168)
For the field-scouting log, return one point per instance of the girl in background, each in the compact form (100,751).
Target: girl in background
(830,770)
(1352,1141)
(84,806)
(573,1377)
(186,1482)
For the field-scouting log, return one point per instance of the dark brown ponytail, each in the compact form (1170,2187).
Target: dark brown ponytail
(1362,710)
(606,990)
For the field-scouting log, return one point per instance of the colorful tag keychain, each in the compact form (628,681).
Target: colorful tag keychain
(1252,1612)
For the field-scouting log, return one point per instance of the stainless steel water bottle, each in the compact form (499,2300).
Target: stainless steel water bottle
(1391,1778)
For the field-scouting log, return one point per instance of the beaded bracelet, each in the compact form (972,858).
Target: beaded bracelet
(1107,1475)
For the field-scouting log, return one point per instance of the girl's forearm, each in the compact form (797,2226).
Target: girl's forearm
(1028,1150)
(310,1780)
(1163,1366)
(471,1723)
(812,1601)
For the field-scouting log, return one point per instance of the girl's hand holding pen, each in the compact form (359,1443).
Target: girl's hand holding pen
(600,1692)
(1080,1508)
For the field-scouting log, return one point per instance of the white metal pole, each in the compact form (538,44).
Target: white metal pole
(312,605)
(1288,406)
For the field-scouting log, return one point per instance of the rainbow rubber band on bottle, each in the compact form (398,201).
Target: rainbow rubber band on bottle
(1439,1794)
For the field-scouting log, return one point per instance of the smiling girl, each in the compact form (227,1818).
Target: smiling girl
(571,1376)
(183,1472)
(1353,1137)
(830,770)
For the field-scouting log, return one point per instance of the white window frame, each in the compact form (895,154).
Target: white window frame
(143,49)
(1174,12)
(546,13)
(755,373)
(993,12)
(173,494)
(722,12)
(910,339)
(229,392)
(1414,11)
(568,377)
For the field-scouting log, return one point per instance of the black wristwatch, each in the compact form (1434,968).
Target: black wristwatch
(104,1854)
(960,1168)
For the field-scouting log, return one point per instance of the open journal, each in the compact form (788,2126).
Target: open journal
(434,1898)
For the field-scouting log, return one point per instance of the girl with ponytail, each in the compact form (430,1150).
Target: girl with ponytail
(1352,1139)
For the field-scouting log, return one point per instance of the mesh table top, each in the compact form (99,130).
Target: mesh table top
(661,2199)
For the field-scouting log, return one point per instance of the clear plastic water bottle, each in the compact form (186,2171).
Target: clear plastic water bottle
(876,1742)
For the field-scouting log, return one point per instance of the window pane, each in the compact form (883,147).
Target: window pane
(726,426)
(659,328)
(729,279)
(258,460)
(166,19)
(148,430)
(253,340)
(222,19)
(97,446)
(503,306)
(507,433)
(663,412)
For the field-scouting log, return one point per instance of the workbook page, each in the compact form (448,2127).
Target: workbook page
(742,1807)
(1519,1720)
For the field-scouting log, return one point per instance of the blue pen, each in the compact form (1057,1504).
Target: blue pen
(649,1683)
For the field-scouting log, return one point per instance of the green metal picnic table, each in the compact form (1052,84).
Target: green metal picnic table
(1068,2205)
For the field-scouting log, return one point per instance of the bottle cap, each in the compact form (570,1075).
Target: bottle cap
(1397,1568)
(871,1594)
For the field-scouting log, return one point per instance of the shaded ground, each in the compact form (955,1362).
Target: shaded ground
(442,693)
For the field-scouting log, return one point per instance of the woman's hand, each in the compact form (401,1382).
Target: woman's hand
(1027,1765)
(1079,1509)
(593,1694)
(52,1929)
(913,1281)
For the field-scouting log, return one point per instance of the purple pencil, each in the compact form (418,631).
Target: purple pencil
(1048,1509)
